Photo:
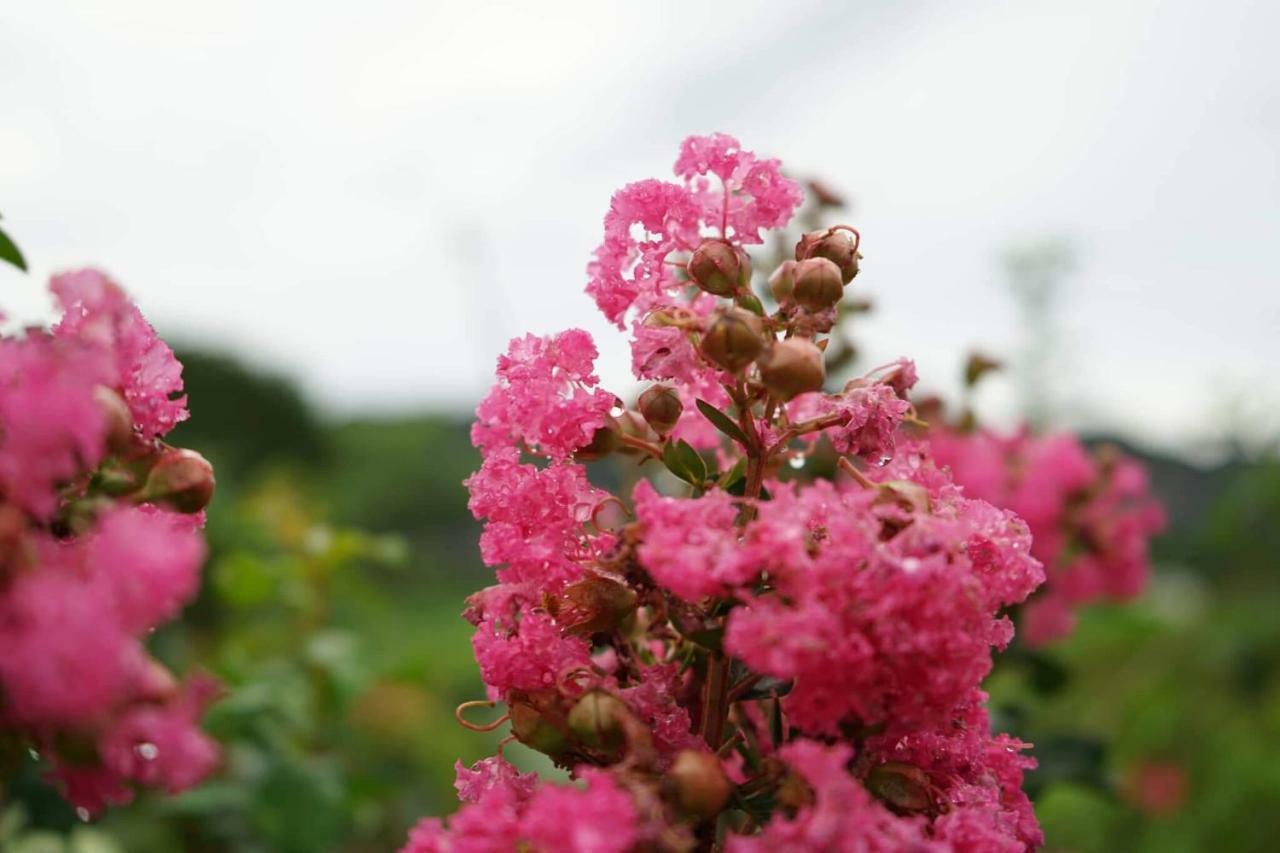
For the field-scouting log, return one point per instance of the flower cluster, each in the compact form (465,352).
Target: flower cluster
(726,656)
(99,544)
(1091,513)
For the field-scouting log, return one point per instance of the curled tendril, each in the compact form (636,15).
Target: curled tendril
(599,507)
(567,681)
(478,703)
(857,238)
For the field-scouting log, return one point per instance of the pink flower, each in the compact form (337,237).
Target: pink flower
(627,264)
(869,416)
(691,545)
(1092,517)
(534,518)
(755,190)
(650,220)
(890,612)
(545,397)
(162,745)
(147,562)
(483,776)
(97,313)
(67,658)
(53,427)
(843,815)
(527,656)
(974,778)
(599,818)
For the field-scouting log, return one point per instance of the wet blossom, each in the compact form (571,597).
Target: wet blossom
(1092,515)
(93,554)
(811,650)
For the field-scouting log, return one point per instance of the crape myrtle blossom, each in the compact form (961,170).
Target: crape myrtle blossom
(718,656)
(1092,515)
(100,543)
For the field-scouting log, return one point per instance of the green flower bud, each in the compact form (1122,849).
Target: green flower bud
(719,268)
(597,721)
(119,420)
(183,479)
(791,367)
(734,339)
(661,407)
(903,787)
(782,284)
(836,246)
(699,783)
(817,284)
(538,730)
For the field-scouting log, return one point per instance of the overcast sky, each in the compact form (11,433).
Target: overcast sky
(374,197)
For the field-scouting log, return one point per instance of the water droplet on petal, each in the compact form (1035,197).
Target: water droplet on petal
(910,564)
(147,751)
(797,461)
(883,461)
(617,411)
(35,756)
(82,813)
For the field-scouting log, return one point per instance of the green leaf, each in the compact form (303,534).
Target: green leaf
(735,475)
(775,722)
(10,253)
(685,462)
(722,422)
(768,687)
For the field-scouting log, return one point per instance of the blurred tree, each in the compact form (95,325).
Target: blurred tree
(244,419)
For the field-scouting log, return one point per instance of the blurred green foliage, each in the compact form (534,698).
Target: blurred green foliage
(341,555)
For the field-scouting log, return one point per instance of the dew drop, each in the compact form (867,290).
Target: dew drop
(35,756)
(617,411)
(883,461)
(146,751)
(910,564)
(83,814)
(797,461)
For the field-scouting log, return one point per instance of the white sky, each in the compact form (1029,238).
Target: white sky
(373,197)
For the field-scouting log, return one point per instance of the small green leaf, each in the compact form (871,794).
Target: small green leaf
(734,475)
(10,253)
(722,422)
(751,302)
(768,687)
(775,722)
(685,462)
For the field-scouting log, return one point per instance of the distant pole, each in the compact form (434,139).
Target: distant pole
(1037,271)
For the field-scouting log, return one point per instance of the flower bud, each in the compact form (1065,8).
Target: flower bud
(699,783)
(543,731)
(817,284)
(603,442)
(782,284)
(595,603)
(661,407)
(118,418)
(903,787)
(719,268)
(734,339)
(633,424)
(836,246)
(183,479)
(597,721)
(791,367)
